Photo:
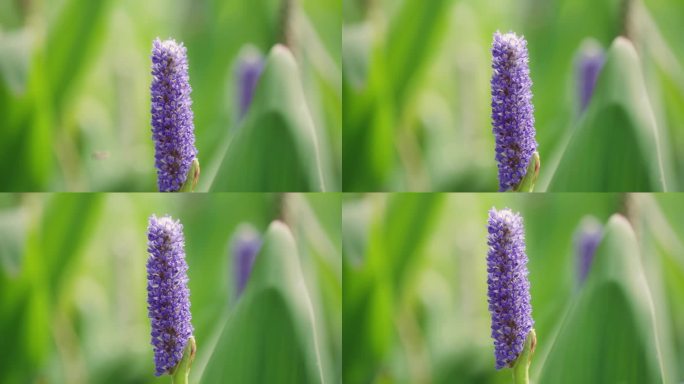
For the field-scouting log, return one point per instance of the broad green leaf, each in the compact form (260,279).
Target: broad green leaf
(406,226)
(68,221)
(272,335)
(367,315)
(12,240)
(28,303)
(372,288)
(609,334)
(15,54)
(615,146)
(212,50)
(276,149)
(412,38)
(381,69)
(26,156)
(552,40)
(71,40)
(367,113)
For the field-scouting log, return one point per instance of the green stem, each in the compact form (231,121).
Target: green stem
(527,183)
(182,370)
(192,177)
(522,364)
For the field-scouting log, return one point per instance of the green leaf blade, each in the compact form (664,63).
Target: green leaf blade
(277,143)
(615,147)
(254,348)
(609,333)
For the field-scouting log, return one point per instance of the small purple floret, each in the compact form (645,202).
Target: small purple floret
(245,246)
(168,296)
(173,130)
(589,66)
(587,239)
(508,287)
(512,110)
(250,65)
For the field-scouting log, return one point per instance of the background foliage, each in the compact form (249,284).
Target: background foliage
(417,96)
(73,280)
(75,75)
(415,308)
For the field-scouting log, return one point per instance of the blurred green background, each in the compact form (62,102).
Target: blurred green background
(73,295)
(415,291)
(416,92)
(75,77)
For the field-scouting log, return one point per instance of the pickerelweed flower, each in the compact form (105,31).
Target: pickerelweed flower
(587,238)
(508,287)
(173,130)
(245,246)
(168,296)
(512,110)
(589,64)
(249,67)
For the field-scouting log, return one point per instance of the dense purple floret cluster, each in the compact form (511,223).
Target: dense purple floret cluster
(508,287)
(173,130)
(168,296)
(245,246)
(512,110)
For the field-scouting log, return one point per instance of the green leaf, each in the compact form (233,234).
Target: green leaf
(15,55)
(367,115)
(367,312)
(276,149)
(381,69)
(412,38)
(68,221)
(272,335)
(26,156)
(12,240)
(609,334)
(71,42)
(406,226)
(372,288)
(615,147)
(28,300)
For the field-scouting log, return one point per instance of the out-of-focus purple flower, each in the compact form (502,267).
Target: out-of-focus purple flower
(249,66)
(588,66)
(244,246)
(173,130)
(587,238)
(508,287)
(168,296)
(512,110)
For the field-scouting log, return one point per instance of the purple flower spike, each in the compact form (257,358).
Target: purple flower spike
(249,67)
(173,130)
(168,296)
(587,238)
(512,110)
(244,246)
(589,64)
(508,287)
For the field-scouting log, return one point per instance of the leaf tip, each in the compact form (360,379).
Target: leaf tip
(282,55)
